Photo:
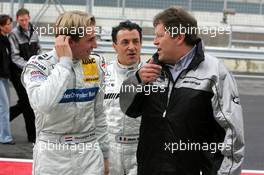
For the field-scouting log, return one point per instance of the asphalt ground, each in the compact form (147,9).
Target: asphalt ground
(252,99)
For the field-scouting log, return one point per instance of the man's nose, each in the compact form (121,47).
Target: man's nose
(155,41)
(94,44)
(24,22)
(131,45)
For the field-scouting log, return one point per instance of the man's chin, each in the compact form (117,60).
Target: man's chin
(161,59)
(131,57)
(164,60)
(84,56)
(132,61)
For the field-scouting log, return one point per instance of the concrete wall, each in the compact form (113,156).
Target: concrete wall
(240,66)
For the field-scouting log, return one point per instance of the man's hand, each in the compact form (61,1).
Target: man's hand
(149,72)
(62,46)
(106,167)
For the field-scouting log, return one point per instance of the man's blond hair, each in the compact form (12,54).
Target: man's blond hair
(75,24)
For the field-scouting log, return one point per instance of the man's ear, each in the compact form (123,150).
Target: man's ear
(180,39)
(72,43)
(114,46)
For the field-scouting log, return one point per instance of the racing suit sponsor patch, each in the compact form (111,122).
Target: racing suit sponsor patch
(111,96)
(79,95)
(37,76)
(34,73)
(37,64)
(90,71)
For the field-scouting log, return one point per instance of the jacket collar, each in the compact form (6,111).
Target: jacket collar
(199,55)
(31,29)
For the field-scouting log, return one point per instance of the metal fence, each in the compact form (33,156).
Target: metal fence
(149,49)
(212,14)
(246,11)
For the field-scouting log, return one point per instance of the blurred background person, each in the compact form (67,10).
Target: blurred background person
(24,44)
(5,59)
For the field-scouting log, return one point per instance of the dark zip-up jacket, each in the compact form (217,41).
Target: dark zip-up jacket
(190,126)
(23,46)
(5,57)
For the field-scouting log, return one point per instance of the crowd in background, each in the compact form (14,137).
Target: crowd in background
(17,45)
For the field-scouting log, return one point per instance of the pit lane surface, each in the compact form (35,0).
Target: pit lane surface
(251,90)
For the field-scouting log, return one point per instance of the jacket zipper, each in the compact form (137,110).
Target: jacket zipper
(170,90)
(168,94)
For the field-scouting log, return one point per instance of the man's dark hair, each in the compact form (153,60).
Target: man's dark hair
(21,12)
(178,21)
(4,18)
(126,25)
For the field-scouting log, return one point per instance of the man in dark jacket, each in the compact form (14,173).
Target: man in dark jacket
(192,121)
(5,58)
(24,43)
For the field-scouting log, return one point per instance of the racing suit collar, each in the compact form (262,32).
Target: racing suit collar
(126,70)
(133,66)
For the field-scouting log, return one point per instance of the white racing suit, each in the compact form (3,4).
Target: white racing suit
(71,128)
(123,130)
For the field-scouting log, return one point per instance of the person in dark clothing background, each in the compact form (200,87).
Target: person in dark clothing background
(24,44)
(5,58)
